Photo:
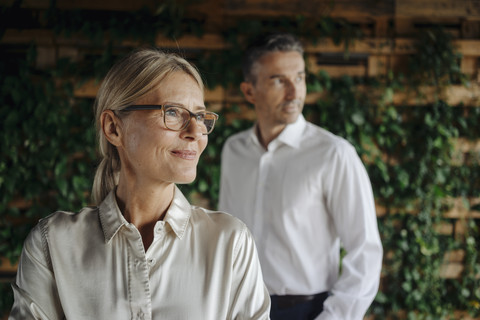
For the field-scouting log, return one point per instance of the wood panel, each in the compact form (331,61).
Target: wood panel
(438,8)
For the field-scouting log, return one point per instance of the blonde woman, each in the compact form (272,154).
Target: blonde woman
(143,252)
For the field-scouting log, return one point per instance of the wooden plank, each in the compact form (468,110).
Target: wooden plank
(6,266)
(444,228)
(454,95)
(338,8)
(437,8)
(460,208)
(468,47)
(470,66)
(207,41)
(454,256)
(465,151)
(339,70)
(110,5)
(377,65)
(382,28)
(463,315)
(90,88)
(211,41)
(451,270)
(470,29)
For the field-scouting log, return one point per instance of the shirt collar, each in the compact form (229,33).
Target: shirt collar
(290,136)
(112,219)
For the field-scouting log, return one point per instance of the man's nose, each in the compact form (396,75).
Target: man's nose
(291,91)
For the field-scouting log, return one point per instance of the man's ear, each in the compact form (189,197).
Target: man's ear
(111,127)
(248,91)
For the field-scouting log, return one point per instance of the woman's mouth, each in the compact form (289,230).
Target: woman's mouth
(185,154)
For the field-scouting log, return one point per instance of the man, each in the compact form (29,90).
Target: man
(303,192)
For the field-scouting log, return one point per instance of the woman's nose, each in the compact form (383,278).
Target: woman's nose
(193,130)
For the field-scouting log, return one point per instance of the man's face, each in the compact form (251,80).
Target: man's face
(280,89)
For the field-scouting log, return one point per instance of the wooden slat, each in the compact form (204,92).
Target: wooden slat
(454,95)
(460,209)
(437,8)
(455,256)
(6,266)
(374,46)
(111,5)
(451,270)
(338,8)
(463,148)
(339,70)
(470,65)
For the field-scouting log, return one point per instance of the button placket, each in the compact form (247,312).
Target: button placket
(139,284)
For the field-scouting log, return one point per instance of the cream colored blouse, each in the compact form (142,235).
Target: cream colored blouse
(92,265)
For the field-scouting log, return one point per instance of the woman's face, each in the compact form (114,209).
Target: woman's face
(150,153)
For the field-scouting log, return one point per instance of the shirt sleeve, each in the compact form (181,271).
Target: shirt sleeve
(35,290)
(223,192)
(249,297)
(351,204)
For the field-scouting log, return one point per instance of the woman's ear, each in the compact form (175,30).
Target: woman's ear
(248,91)
(111,127)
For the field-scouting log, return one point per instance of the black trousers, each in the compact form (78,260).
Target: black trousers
(297,307)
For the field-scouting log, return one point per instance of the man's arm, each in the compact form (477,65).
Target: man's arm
(351,204)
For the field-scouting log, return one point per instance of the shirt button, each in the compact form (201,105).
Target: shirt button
(151,261)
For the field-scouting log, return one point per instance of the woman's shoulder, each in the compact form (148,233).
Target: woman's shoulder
(217,220)
(60,218)
(59,227)
(66,224)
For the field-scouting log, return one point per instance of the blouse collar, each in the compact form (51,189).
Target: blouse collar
(112,219)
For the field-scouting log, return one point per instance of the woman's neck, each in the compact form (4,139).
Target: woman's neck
(143,207)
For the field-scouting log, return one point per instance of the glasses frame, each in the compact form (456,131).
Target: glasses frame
(135,107)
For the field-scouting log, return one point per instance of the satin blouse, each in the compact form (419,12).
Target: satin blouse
(92,265)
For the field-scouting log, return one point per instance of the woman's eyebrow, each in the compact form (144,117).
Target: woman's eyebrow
(199,107)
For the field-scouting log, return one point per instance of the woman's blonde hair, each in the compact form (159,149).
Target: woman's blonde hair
(130,79)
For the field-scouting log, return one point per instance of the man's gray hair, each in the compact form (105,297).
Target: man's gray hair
(277,42)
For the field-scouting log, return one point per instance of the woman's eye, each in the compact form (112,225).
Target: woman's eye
(171,112)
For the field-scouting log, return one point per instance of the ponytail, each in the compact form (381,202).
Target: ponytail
(106,176)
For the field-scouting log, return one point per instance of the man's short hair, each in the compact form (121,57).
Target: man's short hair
(273,42)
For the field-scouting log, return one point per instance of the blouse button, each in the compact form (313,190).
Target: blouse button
(151,261)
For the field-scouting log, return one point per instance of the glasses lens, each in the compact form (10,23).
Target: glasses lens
(209,121)
(177,118)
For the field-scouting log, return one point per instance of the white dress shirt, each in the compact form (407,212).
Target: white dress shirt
(303,198)
(92,265)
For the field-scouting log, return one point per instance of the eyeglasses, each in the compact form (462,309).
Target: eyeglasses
(177,118)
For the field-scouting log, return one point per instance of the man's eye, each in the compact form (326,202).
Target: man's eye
(277,81)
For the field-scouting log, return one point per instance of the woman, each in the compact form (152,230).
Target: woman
(143,252)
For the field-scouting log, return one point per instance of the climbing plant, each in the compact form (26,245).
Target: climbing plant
(47,147)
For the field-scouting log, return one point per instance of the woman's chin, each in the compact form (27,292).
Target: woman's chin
(186,179)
